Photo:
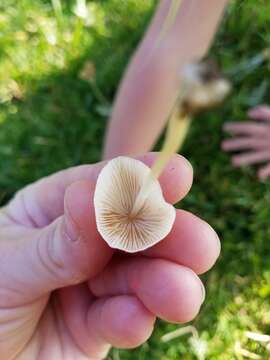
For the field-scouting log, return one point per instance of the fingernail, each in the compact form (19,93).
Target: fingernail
(201,285)
(203,292)
(218,242)
(71,228)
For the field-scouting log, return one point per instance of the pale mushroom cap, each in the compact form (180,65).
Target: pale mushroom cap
(117,187)
(204,86)
(208,95)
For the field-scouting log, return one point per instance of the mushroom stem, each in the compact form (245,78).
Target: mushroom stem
(202,88)
(177,130)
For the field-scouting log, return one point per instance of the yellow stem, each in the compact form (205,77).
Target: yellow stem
(176,133)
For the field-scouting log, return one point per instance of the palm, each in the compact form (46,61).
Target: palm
(42,328)
(51,338)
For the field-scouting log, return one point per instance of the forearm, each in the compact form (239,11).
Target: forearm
(151,82)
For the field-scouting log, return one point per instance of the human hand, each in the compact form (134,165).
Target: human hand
(252,139)
(64,294)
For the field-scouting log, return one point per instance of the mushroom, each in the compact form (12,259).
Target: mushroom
(131,213)
(204,87)
(120,224)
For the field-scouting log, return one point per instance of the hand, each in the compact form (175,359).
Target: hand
(253,140)
(63,295)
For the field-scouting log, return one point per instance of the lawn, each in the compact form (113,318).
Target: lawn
(53,113)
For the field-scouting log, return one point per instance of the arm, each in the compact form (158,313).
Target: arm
(151,82)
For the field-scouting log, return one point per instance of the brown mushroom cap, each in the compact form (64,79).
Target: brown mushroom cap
(117,187)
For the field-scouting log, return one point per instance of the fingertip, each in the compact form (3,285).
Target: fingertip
(192,243)
(125,322)
(78,199)
(260,112)
(196,291)
(78,206)
(226,126)
(176,179)
(188,298)
(80,227)
(194,296)
(172,292)
(209,248)
(224,145)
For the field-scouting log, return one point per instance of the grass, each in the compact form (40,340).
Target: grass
(51,117)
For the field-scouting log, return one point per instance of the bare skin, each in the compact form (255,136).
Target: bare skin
(152,80)
(251,141)
(64,294)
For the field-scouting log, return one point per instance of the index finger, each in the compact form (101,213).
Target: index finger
(43,201)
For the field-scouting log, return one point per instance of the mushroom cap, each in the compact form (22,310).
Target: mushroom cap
(117,187)
(204,96)
(204,85)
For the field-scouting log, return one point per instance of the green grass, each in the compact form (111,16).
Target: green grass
(50,118)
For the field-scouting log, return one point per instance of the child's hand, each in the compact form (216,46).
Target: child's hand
(252,138)
(62,296)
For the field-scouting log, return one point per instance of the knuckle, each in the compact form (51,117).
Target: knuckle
(60,256)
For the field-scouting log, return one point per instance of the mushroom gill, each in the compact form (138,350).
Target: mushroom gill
(117,188)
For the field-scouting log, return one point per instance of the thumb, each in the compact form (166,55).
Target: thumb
(66,252)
